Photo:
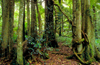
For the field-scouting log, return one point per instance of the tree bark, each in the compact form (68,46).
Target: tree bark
(89,27)
(20,34)
(24,22)
(11,21)
(49,27)
(39,19)
(33,21)
(94,19)
(28,19)
(5,25)
(56,21)
(77,22)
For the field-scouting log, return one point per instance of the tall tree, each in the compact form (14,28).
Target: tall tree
(20,34)
(59,18)
(24,22)
(39,19)
(49,25)
(28,19)
(56,19)
(77,22)
(89,30)
(5,24)
(89,49)
(33,20)
(11,21)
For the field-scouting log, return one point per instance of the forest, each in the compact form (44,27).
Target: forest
(49,32)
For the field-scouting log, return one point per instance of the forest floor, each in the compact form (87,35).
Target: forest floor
(58,57)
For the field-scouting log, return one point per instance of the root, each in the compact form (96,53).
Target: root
(70,57)
(82,61)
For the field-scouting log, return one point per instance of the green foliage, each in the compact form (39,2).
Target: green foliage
(97,42)
(65,40)
(37,45)
(14,36)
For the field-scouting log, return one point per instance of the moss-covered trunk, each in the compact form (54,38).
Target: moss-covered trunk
(20,34)
(28,19)
(95,20)
(11,21)
(49,27)
(24,22)
(5,25)
(89,30)
(77,22)
(39,19)
(33,21)
(87,33)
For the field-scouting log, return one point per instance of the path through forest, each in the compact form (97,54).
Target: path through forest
(58,57)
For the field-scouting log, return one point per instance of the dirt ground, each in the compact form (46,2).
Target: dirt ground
(58,57)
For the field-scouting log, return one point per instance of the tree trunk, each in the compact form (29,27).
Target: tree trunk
(56,19)
(77,22)
(62,25)
(59,19)
(28,19)
(33,21)
(11,21)
(49,27)
(88,33)
(5,25)
(24,22)
(39,19)
(89,27)
(94,19)
(20,34)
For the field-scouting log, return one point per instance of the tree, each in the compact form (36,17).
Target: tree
(89,51)
(20,34)
(49,25)
(94,19)
(5,24)
(11,21)
(59,18)
(28,19)
(39,19)
(24,22)
(77,22)
(33,21)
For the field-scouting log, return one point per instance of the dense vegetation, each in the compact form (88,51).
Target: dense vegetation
(30,29)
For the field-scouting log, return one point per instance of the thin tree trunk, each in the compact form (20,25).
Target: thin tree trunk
(62,24)
(78,24)
(28,19)
(94,19)
(24,22)
(11,21)
(60,19)
(39,19)
(56,21)
(20,34)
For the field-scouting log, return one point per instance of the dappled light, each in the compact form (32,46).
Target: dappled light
(49,32)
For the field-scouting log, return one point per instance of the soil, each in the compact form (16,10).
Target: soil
(58,57)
